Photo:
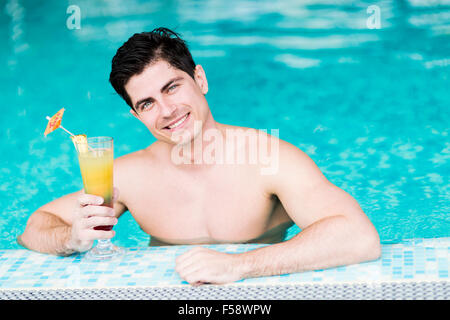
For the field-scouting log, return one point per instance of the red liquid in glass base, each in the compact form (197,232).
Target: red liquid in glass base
(105,228)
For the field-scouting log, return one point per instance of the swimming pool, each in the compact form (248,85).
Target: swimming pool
(369,106)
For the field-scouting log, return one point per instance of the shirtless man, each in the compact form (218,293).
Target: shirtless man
(196,202)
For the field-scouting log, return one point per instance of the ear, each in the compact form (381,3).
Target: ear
(200,78)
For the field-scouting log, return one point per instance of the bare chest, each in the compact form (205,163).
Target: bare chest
(225,207)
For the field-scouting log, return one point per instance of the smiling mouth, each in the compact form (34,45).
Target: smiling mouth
(178,123)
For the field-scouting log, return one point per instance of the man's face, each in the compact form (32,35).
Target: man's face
(168,100)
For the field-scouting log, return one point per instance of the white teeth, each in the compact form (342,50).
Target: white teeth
(178,122)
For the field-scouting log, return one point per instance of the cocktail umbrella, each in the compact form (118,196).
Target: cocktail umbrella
(80,140)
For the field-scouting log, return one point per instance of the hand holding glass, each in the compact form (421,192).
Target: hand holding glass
(96,160)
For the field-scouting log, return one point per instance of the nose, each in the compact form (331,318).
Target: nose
(167,108)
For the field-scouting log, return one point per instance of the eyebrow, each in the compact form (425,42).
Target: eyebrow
(163,88)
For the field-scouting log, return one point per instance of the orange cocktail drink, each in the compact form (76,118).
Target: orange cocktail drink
(96,158)
(96,165)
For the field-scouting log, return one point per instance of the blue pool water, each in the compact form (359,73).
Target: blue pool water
(370,106)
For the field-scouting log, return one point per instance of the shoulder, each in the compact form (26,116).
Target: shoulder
(134,160)
(129,169)
(280,163)
(131,172)
(250,137)
(292,167)
(292,155)
(293,158)
(269,140)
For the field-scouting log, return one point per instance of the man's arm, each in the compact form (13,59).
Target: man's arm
(335,230)
(47,232)
(65,225)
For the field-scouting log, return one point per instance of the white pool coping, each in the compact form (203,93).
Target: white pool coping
(409,264)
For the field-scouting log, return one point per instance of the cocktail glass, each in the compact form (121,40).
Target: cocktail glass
(96,165)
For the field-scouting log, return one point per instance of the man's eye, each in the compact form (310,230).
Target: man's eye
(147,105)
(171,88)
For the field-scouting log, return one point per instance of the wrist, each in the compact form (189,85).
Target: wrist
(243,265)
(73,244)
(70,245)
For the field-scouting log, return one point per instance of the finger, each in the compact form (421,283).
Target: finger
(93,210)
(89,199)
(188,266)
(194,260)
(199,283)
(100,235)
(197,278)
(99,221)
(192,277)
(91,235)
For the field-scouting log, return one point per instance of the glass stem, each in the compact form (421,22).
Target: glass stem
(103,244)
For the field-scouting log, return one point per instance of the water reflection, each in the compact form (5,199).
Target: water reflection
(369,105)
(285,25)
(16,12)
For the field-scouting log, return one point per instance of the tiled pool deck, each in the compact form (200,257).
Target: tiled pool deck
(420,264)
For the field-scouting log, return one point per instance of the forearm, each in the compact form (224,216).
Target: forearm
(47,233)
(327,243)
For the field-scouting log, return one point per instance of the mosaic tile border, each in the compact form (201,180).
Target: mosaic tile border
(413,261)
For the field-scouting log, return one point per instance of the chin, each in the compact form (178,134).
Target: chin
(180,137)
(186,135)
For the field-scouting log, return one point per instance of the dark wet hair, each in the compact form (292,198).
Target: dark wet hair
(145,48)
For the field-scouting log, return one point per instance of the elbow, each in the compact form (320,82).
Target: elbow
(31,230)
(371,246)
(25,238)
(364,241)
(22,240)
(374,250)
